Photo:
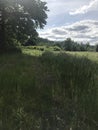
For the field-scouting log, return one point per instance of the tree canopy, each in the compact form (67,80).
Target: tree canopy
(70,45)
(19,20)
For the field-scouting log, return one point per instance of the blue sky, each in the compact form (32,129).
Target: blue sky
(77,19)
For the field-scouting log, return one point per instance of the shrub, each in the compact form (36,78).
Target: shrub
(56,48)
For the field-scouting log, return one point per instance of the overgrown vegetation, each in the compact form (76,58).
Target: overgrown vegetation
(43,88)
(52,91)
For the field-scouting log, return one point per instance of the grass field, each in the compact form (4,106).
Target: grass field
(36,51)
(48,89)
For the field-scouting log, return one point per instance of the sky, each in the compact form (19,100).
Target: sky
(75,19)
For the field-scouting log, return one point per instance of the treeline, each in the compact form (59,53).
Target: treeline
(38,41)
(68,45)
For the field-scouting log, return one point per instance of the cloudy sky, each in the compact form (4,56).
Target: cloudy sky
(77,19)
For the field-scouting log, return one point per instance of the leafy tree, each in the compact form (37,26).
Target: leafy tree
(19,20)
(68,44)
(97,48)
(87,46)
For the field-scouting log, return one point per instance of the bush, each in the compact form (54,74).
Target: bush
(41,49)
(56,48)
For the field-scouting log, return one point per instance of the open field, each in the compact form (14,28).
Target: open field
(37,51)
(41,90)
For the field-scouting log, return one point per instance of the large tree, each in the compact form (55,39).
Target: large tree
(19,19)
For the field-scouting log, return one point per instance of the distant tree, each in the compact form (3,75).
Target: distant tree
(87,46)
(43,41)
(59,44)
(97,48)
(68,44)
(20,19)
(82,47)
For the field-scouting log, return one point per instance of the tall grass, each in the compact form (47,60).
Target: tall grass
(49,92)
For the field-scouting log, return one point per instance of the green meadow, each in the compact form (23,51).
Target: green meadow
(45,88)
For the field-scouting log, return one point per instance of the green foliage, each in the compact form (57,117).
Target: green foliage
(20,19)
(44,42)
(52,91)
(96,48)
(56,48)
(70,45)
(30,42)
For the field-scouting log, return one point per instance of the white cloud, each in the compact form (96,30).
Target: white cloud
(82,31)
(62,6)
(93,5)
